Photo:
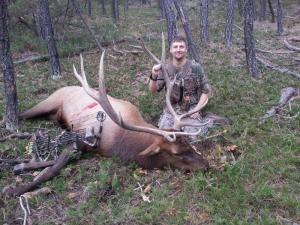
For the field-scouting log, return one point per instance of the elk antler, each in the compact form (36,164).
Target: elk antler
(103,100)
(178,123)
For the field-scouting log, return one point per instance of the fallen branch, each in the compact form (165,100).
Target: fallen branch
(19,168)
(287,95)
(62,160)
(274,52)
(16,135)
(277,68)
(13,162)
(41,58)
(290,46)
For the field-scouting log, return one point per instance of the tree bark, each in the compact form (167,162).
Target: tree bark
(279,18)
(10,90)
(102,2)
(262,10)
(161,7)
(249,39)
(204,21)
(115,10)
(126,5)
(45,24)
(229,23)
(170,19)
(254,10)
(186,26)
(240,7)
(89,4)
(271,11)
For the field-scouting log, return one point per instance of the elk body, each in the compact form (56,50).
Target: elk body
(73,108)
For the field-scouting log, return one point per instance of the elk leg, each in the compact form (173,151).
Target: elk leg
(62,160)
(19,168)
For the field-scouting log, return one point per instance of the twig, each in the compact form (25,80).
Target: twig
(209,137)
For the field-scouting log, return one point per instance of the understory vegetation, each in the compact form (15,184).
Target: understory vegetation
(255,168)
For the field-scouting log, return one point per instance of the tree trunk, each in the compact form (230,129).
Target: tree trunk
(279,18)
(46,24)
(240,7)
(115,10)
(40,22)
(229,23)
(126,5)
(254,10)
(102,2)
(161,7)
(262,10)
(89,4)
(10,90)
(249,39)
(204,21)
(171,20)
(186,26)
(271,11)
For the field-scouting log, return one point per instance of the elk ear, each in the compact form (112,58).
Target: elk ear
(151,150)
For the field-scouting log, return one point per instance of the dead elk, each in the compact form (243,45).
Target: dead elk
(123,133)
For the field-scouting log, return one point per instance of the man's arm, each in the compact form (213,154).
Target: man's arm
(156,81)
(202,102)
(206,93)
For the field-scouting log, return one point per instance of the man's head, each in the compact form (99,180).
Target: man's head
(178,48)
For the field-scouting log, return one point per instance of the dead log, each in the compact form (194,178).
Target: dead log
(286,95)
(277,68)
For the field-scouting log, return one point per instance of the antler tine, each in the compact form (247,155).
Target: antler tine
(82,70)
(150,53)
(168,99)
(104,102)
(82,79)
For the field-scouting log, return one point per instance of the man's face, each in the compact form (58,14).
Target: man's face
(178,50)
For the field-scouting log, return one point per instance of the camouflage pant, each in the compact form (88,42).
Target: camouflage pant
(166,121)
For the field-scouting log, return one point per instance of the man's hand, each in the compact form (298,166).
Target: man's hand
(156,69)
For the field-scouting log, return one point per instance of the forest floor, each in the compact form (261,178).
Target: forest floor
(254,175)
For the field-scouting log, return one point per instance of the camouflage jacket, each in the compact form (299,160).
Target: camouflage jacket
(191,82)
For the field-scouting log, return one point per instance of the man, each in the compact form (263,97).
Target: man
(191,89)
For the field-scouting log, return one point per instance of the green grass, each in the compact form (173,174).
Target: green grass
(262,187)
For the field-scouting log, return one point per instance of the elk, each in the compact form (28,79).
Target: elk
(124,132)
